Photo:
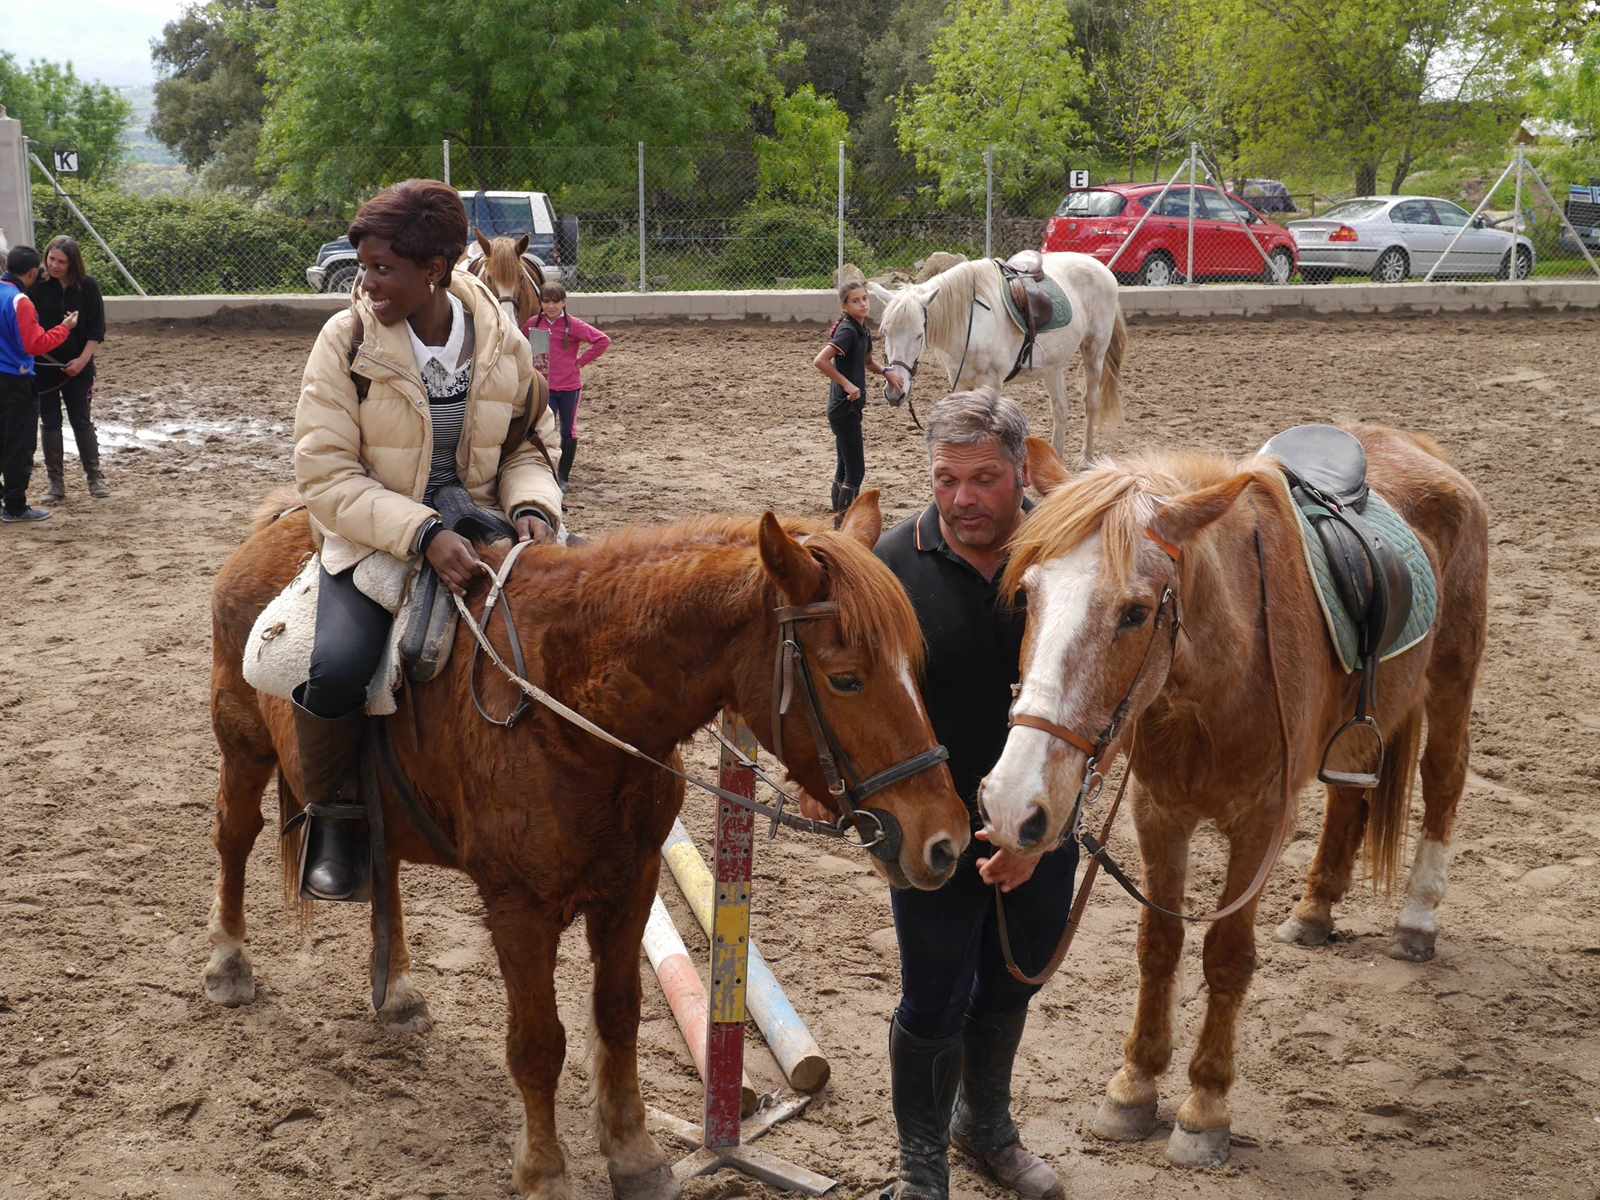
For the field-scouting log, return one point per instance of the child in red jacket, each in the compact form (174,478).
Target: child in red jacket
(564,366)
(20,339)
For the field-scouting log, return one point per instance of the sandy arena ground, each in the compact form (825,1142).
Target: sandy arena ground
(1475,1074)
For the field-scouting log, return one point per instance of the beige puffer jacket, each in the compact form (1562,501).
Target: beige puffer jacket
(362,465)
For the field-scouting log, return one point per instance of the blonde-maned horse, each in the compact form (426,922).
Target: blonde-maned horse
(515,278)
(959,313)
(1157,624)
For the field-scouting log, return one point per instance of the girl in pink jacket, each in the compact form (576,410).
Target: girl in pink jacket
(564,365)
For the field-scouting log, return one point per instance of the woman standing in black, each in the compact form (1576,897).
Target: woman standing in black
(65,378)
(845,359)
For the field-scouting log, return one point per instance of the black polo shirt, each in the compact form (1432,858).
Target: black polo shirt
(854,343)
(974,646)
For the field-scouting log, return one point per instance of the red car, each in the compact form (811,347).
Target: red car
(1231,239)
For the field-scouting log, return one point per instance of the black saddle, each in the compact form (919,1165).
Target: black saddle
(1021,275)
(1327,472)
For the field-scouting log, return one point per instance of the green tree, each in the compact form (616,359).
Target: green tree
(57,108)
(1148,64)
(895,64)
(1007,74)
(1567,90)
(802,161)
(564,78)
(209,104)
(831,38)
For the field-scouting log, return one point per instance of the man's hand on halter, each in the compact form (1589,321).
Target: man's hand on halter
(1004,869)
(452,556)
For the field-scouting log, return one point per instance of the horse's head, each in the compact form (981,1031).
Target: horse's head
(512,278)
(1102,561)
(843,706)
(904,329)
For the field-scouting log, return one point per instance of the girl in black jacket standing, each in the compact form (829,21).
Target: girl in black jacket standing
(66,377)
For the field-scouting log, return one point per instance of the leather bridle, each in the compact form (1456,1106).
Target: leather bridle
(911,368)
(848,792)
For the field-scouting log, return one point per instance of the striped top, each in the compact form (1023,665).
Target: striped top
(447,377)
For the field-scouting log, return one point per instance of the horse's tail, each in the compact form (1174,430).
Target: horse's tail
(279,502)
(1111,372)
(289,857)
(1390,805)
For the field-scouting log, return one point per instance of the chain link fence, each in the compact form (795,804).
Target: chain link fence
(723,217)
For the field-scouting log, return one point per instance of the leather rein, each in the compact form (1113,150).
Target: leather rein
(1093,779)
(847,791)
(911,368)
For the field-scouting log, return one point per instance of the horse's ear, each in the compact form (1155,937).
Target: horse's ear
(522,245)
(1046,471)
(793,569)
(1179,520)
(483,242)
(864,520)
(878,292)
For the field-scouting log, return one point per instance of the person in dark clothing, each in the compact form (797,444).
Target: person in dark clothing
(845,359)
(954,1037)
(65,379)
(21,338)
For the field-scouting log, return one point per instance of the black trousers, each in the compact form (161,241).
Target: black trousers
(351,632)
(850,451)
(56,391)
(19,435)
(950,957)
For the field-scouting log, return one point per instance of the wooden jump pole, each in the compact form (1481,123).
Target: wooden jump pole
(791,1042)
(686,996)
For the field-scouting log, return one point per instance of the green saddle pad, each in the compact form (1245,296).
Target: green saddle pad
(1058,299)
(1424,590)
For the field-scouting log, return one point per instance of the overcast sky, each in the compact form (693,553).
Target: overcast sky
(106,40)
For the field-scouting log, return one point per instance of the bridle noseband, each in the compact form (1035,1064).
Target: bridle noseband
(848,792)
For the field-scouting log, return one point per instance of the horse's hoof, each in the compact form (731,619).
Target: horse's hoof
(229,980)
(1115,1122)
(404,1009)
(1300,932)
(655,1183)
(1207,1148)
(1412,945)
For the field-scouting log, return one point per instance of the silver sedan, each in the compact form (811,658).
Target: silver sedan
(1394,238)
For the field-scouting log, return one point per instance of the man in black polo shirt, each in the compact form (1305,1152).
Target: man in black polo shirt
(961,1014)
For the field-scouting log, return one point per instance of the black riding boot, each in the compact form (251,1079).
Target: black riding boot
(54,464)
(982,1126)
(847,497)
(569,453)
(334,861)
(89,456)
(833,504)
(923,1074)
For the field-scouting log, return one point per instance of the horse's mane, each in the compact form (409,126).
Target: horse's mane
(951,305)
(503,268)
(714,562)
(1117,499)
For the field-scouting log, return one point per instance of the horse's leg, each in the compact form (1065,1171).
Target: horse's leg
(1128,1111)
(1094,358)
(1200,1136)
(1444,775)
(1055,382)
(638,1168)
(247,764)
(1344,819)
(405,1009)
(525,940)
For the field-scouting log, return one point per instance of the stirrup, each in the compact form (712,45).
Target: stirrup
(361,893)
(1366,780)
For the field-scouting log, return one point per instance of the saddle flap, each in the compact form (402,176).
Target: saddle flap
(460,515)
(1325,458)
(1374,587)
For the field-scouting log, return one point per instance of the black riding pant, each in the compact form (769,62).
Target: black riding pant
(850,451)
(351,632)
(19,435)
(950,957)
(57,390)
(566,409)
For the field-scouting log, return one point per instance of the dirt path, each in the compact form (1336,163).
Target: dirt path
(1477,1074)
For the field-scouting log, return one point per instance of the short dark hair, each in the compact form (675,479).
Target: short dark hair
(552,290)
(21,259)
(851,285)
(422,219)
(69,247)
(972,418)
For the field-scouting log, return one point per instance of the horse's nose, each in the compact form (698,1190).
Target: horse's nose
(942,857)
(1032,830)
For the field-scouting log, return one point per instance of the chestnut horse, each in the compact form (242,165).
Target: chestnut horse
(514,276)
(648,633)
(1116,562)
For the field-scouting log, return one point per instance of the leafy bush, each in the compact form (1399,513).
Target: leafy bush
(186,245)
(610,262)
(782,240)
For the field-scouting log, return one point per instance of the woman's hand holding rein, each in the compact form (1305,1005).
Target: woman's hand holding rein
(452,556)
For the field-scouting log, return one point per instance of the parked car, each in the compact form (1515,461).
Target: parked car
(1231,239)
(1394,238)
(496,214)
(1266,195)
(1583,213)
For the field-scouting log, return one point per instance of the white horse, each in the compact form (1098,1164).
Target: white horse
(959,313)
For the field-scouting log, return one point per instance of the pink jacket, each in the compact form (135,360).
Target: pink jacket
(567,334)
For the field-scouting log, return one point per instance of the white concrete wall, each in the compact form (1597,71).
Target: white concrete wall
(16,213)
(604,308)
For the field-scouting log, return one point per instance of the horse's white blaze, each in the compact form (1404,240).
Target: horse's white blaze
(1429,876)
(1059,594)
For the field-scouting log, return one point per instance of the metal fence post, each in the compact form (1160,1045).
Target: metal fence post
(1516,220)
(447,162)
(988,202)
(840,263)
(1189,273)
(643,286)
(1482,204)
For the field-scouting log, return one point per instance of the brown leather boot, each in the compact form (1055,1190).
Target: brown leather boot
(54,465)
(982,1127)
(89,455)
(335,863)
